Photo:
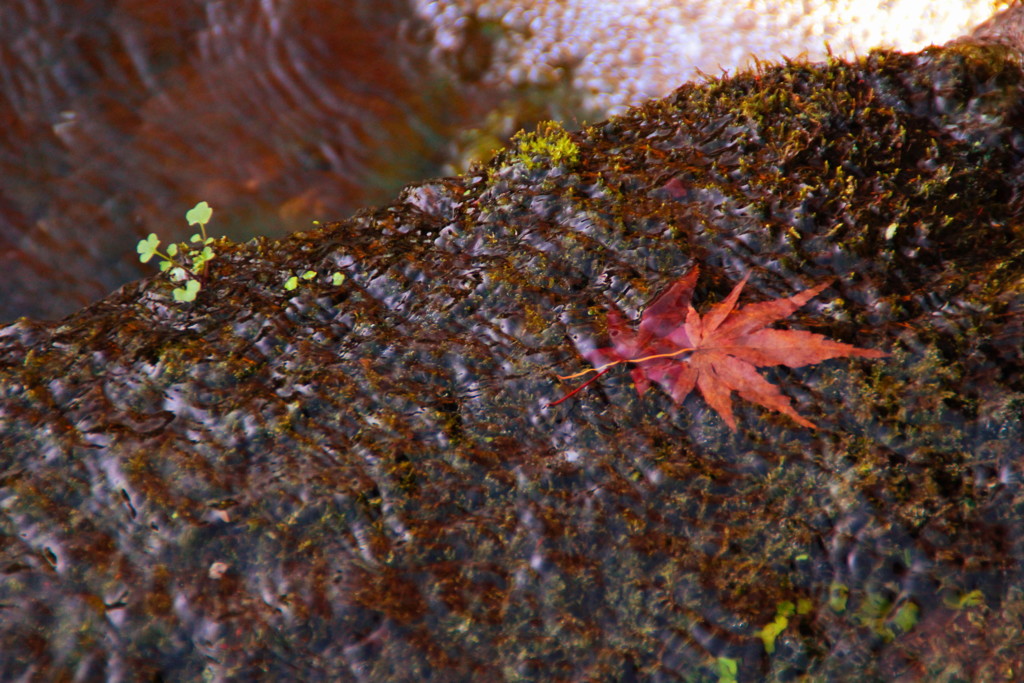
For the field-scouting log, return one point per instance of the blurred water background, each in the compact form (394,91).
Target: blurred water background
(116,116)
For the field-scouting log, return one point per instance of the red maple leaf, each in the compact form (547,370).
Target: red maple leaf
(719,353)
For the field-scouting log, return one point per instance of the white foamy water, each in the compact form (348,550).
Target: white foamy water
(627,50)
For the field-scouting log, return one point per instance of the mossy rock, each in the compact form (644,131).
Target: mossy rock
(365,481)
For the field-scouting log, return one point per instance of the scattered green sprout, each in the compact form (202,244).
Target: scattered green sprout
(184,264)
(726,669)
(188,292)
(906,616)
(838,594)
(293,282)
(771,631)
(886,619)
(966,600)
(783,611)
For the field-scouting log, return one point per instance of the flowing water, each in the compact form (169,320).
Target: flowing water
(119,115)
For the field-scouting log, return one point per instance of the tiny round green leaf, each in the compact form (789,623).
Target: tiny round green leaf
(837,595)
(188,292)
(172,250)
(147,247)
(727,669)
(199,214)
(309,275)
(906,616)
(205,255)
(337,278)
(291,283)
(770,632)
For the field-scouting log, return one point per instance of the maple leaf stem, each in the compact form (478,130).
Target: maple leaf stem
(604,368)
(601,369)
(658,355)
(581,387)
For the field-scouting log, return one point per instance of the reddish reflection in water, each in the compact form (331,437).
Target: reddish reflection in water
(118,115)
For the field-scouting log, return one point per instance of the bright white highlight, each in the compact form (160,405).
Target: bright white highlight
(627,50)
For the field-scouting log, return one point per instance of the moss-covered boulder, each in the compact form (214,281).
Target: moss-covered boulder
(364,479)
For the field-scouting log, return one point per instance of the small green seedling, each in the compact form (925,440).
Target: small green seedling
(965,600)
(726,668)
(885,618)
(771,631)
(838,594)
(186,262)
(293,282)
(906,616)
(188,292)
(783,611)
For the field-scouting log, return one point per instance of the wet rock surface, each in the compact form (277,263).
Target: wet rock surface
(364,481)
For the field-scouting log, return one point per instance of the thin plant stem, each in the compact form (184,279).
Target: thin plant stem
(577,389)
(604,368)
